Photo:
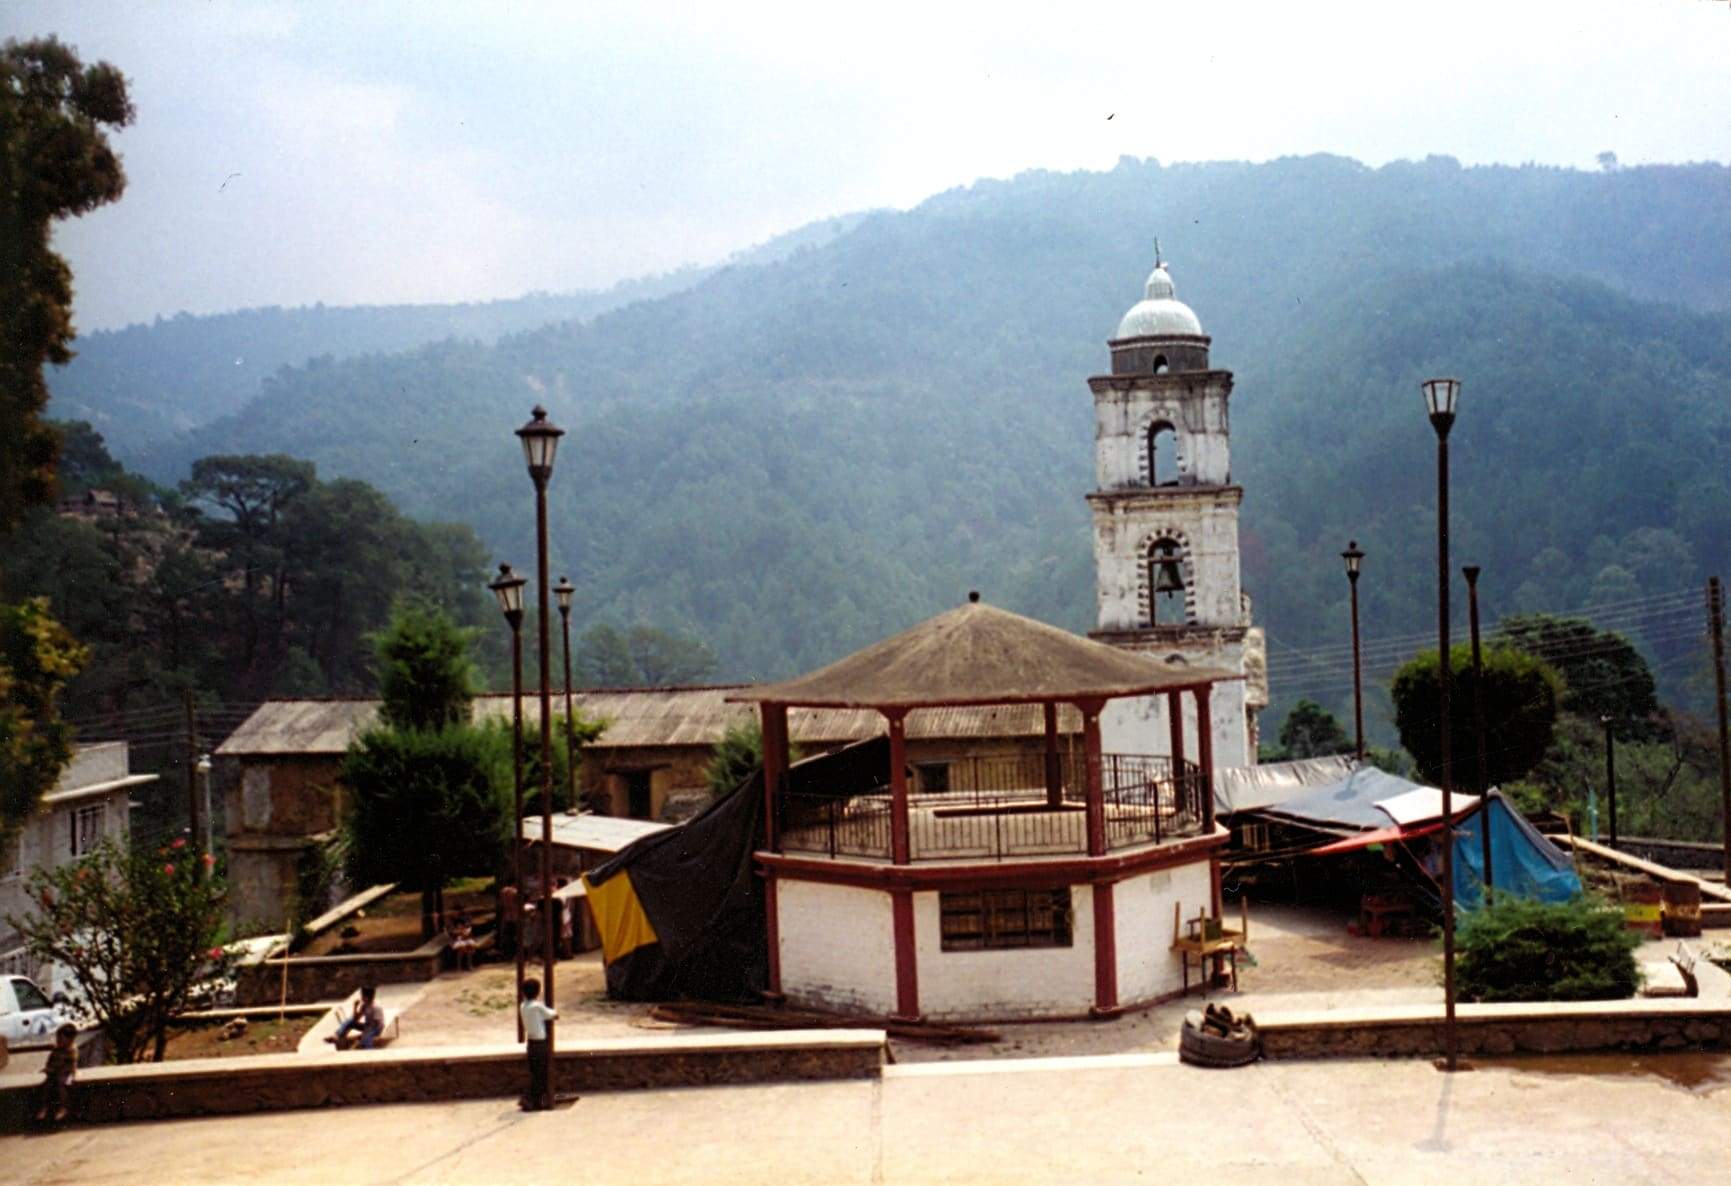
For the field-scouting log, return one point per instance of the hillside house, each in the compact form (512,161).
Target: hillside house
(92,802)
(278,775)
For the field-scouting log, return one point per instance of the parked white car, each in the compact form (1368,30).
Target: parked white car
(27,1015)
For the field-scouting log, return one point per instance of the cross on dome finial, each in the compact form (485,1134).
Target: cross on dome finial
(1157,260)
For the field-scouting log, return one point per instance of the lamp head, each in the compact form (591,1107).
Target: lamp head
(564,591)
(508,588)
(1439,400)
(540,439)
(1353,557)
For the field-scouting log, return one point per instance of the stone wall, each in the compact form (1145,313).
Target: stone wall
(334,977)
(213,1086)
(1640,1025)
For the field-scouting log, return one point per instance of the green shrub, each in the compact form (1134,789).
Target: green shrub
(1519,949)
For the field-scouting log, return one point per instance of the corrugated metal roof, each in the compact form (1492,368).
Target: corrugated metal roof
(638,718)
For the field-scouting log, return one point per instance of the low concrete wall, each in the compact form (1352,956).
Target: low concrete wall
(212,1086)
(333,977)
(1417,1032)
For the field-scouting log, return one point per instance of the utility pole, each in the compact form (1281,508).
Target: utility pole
(1611,773)
(1716,619)
(1484,783)
(191,770)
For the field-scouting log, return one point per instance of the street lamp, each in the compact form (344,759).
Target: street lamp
(1439,399)
(564,591)
(1354,558)
(508,588)
(540,444)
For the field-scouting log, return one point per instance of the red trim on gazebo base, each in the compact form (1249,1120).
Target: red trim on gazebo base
(907,965)
(1105,949)
(772,922)
(996,874)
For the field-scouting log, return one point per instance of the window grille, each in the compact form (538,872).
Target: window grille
(991,919)
(87,827)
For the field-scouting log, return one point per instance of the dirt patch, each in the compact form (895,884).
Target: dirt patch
(265,1035)
(460,1008)
(393,923)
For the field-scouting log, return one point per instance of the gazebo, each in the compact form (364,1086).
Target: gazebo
(1036,886)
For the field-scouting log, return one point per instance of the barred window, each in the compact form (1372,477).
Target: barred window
(87,827)
(987,919)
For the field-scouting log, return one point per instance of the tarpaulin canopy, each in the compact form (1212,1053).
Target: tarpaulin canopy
(1367,798)
(680,913)
(1246,788)
(1523,862)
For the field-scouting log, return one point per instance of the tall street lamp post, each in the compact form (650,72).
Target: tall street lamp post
(1439,397)
(1482,783)
(1354,558)
(540,443)
(508,588)
(564,591)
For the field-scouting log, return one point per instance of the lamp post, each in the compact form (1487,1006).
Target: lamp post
(1354,558)
(1439,397)
(563,591)
(508,588)
(540,443)
(1482,783)
(1611,773)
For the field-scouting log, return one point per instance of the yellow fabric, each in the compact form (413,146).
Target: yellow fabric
(618,916)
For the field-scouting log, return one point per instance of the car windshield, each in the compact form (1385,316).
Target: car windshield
(29,996)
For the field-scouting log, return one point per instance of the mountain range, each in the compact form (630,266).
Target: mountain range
(819,444)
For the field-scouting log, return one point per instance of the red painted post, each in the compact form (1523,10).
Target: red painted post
(1096,790)
(907,967)
(1105,950)
(774,728)
(899,849)
(772,932)
(1054,773)
(1205,759)
(1175,721)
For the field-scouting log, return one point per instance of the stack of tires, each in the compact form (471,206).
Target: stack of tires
(1215,1038)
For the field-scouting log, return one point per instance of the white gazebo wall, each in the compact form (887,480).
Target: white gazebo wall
(838,947)
(1147,966)
(1020,982)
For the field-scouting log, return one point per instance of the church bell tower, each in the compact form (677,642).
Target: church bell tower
(1165,513)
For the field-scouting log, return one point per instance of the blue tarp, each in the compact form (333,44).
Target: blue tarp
(1522,861)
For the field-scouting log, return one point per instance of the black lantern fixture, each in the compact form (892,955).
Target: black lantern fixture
(540,439)
(1440,396)
(508,588)
(1354,558)
(1439,400)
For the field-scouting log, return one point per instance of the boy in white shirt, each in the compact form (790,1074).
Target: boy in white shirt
(537,1020)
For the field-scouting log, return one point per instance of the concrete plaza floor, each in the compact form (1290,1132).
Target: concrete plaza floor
(1113,1119)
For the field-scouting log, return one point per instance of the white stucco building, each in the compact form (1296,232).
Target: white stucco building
(1165,512)
(91,802)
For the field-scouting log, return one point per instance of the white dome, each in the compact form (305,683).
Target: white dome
(1160,313)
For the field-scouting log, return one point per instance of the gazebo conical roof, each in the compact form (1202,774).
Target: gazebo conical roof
(979,654)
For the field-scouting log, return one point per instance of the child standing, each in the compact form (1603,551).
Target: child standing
(58,1074)
(537,1018)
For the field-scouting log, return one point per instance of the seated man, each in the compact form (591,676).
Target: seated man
(368,1018)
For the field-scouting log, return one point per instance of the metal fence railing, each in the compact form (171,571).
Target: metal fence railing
(1004,806)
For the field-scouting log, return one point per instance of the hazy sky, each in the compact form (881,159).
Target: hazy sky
(372,152)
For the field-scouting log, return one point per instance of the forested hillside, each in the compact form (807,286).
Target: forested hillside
(793,459)
(144,383)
